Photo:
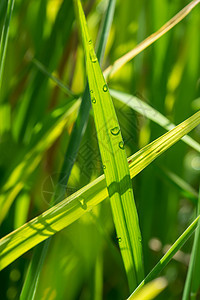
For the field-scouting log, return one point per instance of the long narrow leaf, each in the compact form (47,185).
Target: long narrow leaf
(62,86)
(186,189)
(72,208)
(114,161)
(168,256)
(192,283)
(4,38)
(32,278)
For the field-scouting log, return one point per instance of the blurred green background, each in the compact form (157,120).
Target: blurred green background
(83,261)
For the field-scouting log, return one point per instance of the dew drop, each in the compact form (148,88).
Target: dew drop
(93,100)
(90,42)
(82,203)
(121,145)
(140,239)
(104,167)
(93,57)
(119,239)
(105,88)
(91,91)
(115,131)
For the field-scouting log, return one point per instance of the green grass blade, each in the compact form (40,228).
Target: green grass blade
(186,189)
(98,281)
(114,161)
(152,114)
(33,275)
(5,116)
(150,290)
(61,85)
(4,37)
(119,63)
(104,31)
(168,256)
(72,208)
(192,283)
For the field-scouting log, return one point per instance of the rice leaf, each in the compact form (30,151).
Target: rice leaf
(192,283)
(62,86)
(32,277)
(168,256)
(4,38)
(73,207)
(186,189)
(114,162)
(120,62)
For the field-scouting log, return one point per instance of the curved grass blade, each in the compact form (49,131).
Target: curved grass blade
(186,189)
(111,70)
(62,86)
(152,114)
(114,162)
(104,30)
(168,256)
(192,283)
(150,290)
(4,38)
(72,208)
(32,278)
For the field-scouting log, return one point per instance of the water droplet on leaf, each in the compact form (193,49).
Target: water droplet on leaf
(121,145)
(93,100)
(104,167)
(82,203)
(105,88)
(90,42)
(115,131)
(93,57)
